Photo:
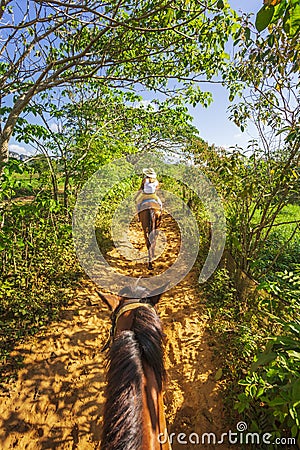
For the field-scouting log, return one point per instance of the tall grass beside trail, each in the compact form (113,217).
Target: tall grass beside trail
(38,270)
(260,337)
(281,251)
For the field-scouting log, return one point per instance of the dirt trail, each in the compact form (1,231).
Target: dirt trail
(57,400)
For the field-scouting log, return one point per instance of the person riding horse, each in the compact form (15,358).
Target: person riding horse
(149,208)
(148,189)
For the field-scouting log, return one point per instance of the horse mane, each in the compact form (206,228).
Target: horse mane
(149,335)
(123,408)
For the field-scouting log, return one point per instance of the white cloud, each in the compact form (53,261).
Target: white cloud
(53,127)
(146,103)
(19,149)
(228,147)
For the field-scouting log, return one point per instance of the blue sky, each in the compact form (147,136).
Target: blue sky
(212,122)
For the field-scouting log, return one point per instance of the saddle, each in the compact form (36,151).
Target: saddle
(147,203)
(128,306)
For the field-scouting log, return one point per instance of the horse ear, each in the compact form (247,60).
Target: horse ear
(111,300)
(157,293)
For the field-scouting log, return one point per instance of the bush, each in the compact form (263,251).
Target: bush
(272,387)
(37,268)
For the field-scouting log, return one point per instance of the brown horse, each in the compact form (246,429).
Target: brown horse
(133,414)
(150,218)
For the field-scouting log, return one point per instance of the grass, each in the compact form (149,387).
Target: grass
(289,213)
(282,245)
(243,327)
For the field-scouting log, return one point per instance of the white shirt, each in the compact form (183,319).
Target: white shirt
(150,188)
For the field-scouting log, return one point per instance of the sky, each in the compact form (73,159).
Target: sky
(212,122)
(214,125)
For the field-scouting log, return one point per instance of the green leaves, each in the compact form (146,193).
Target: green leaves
(274,11)
(275,380)
(37,270)
(291,20)
(263,359)
(120,44)
(263,17)
(219,374)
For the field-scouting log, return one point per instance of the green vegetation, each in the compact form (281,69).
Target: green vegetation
(258,331)
(260,338)
(274,10)
(68,66)
(38,265)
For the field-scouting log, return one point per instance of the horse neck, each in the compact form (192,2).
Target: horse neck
(134,388)
(148,332)
(123,409)
(154,423)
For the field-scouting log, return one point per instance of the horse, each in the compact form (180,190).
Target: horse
(133,416)
(150,218)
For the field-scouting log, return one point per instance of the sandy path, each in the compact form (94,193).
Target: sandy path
(57,400)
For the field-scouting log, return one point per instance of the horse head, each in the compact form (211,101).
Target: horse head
(133,413)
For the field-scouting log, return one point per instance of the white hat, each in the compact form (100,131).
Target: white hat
(149,172)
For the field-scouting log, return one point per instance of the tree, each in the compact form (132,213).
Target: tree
(266,181)
(50,44)
(275,11)
(96,125)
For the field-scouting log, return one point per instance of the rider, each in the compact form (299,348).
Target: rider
(148,188)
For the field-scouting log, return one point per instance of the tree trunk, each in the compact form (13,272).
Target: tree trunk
(8,129)
(54,188)
(3,151)
(52,174)
(66,187)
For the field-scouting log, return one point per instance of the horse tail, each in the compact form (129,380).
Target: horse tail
(123,409)
(151,220)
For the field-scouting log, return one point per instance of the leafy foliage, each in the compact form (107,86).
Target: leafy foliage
(251,331)
(256,190)
(235,325)
(273,385)
(94,125)
(285,11)
(118,45)
(38,268)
